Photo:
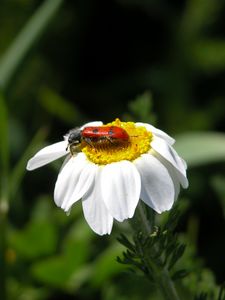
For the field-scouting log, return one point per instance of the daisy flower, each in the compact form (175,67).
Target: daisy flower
(110,174)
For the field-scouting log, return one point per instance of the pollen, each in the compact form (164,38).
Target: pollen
(105,152)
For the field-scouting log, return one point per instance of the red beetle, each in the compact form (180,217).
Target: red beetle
(109,133)
(97,134)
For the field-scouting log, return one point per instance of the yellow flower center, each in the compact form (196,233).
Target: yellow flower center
(106,152)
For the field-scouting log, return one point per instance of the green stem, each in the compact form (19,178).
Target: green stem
(161,274)
(3,245)
(23,43)
(4,195)
(4,206)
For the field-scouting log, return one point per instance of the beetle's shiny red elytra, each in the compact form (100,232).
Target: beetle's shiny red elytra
(95,135)
(104,132)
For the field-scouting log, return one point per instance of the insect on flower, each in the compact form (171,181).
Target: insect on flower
(110,167)
(96,136)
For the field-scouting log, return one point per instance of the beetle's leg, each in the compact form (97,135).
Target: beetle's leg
(88,141)
(108,138)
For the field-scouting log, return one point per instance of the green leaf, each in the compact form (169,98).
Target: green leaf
(125,241)
(199,14)
(26,39)
(4,161)
(221,295)
(79,237)
(179,274)
(38,238)
(20,168)
(54,271)
(58,106)
(141,109)
(200,148)
(209,55)
(178,252)
(106,265)
(202,296)
(60,270)
(15,286)
(4,149)
(218,183)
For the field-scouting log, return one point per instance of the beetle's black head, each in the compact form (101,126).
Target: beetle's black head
(74,136)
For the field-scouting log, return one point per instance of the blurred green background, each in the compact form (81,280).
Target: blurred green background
(156,61)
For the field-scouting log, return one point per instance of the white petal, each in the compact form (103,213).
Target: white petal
(184,163)
(173,174)
(74,180)
(157,132)
(95,211)
(94,123)
(157,189)
(121,187)
(47,155)
(175,180)
(167,152)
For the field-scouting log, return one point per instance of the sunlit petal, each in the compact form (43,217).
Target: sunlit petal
(175,175)
(94,208)
(73,181)
(167,152)
(157,132)
(47,155)
(121,187)
(157,189)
